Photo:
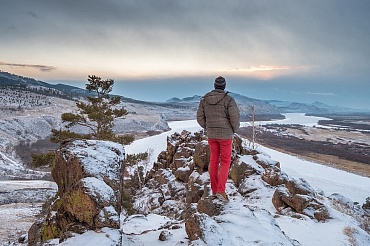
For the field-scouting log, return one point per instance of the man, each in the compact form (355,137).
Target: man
(219,115)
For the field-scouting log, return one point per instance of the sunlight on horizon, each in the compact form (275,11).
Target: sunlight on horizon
(155,71)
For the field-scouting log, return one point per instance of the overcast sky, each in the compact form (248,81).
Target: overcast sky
(311,50)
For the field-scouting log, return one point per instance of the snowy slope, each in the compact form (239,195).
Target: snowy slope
(248,220)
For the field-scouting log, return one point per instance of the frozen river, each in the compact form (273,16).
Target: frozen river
(293,118)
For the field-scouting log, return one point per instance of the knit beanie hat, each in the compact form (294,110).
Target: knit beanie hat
(220,83)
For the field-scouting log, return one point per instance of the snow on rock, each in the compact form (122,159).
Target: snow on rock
(98,158)
(88,174)
(98,189)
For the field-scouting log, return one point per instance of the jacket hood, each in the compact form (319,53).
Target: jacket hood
(215,96)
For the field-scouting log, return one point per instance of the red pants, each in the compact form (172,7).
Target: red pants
(219,163)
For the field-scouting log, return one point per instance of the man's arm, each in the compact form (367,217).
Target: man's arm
(234,115)
(201,118)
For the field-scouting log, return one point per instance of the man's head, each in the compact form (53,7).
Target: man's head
(220,83)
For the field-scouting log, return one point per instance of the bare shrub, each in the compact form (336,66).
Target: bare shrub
(350,233)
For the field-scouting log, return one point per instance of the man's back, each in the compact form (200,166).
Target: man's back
(218,114)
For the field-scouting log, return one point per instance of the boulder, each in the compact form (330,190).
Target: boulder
(172,144)
(88,174)
(239,170)
(183,152)
(195,186)
(162,176)
(176,188)
(183,173)
(165,235)
(237,144)
(302,204)
(201,156)
(265,161)
(299,186)
(274,176)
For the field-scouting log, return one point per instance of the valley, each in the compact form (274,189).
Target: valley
(339,146)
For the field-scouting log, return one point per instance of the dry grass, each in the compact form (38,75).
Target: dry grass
(333,161)
(350,233)
(363,219)
(349,166)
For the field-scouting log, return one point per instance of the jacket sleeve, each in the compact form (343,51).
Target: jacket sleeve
(201,118)
(234,115)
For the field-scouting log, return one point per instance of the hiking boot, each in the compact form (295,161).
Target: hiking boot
(223,197)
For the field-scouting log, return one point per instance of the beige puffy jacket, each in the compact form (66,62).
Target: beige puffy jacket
(218,114)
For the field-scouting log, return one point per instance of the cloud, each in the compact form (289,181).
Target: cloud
(42,68)
(264,72)
(33,14)
(185,36)
(321,93)
(262,68)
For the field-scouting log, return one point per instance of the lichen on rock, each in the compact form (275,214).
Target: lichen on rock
(88,174)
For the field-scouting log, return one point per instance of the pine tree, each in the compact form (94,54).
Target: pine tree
(97,114)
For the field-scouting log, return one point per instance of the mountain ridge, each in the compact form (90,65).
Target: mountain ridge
(274,107)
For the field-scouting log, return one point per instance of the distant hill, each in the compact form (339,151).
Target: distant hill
(314,108)
(8,80)
(273,108)
(262,108)
(12,81)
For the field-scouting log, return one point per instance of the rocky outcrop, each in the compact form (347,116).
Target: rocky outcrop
(177,187)
(180,179)
(88,175)
(294,195)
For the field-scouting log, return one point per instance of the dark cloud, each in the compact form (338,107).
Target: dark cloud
(42,68)
(33,15)
(332,35)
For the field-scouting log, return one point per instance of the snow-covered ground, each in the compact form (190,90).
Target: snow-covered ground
(242,224)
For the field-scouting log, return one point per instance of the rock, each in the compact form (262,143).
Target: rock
(210,206)
(183,152)
(196,186)
(274,176)
(180,162)
(265,161)
(165,235)
(183,173)
(277,200)
(200,226)
(173,208)
(239,171)
(34,232)
(177,189)
(322,214)
(162,158)
(298,202)
(22,238)
(201,156)
(195,223)
(299,186)
(162,176)
(172,144)
(303,204)
(237,144)
(88,174)
(366,205)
